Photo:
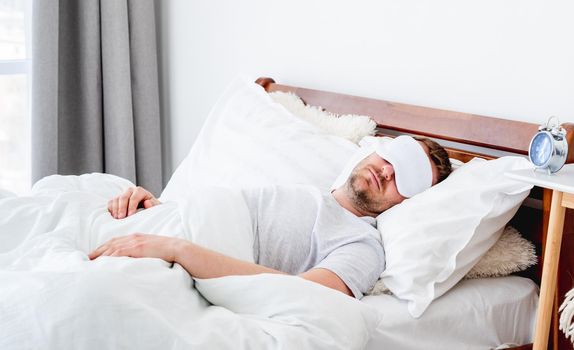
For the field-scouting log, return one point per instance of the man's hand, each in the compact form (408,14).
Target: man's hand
(127,203)
(139,245)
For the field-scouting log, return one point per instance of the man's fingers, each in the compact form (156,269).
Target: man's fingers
(138,196)
(115,207)
(119,246)
(107,252)
(119,252)
(152,201)
(110,244)
(124,202)
(127,203)
(98,251)
(110,206)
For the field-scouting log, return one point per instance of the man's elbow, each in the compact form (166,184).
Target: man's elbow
(327,278)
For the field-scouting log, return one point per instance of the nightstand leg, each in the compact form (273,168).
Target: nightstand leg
(549,271)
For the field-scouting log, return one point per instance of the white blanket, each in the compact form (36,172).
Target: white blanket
(53,297)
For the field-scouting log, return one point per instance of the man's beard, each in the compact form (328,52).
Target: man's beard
(362,197)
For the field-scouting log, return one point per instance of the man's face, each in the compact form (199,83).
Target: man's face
(372,187)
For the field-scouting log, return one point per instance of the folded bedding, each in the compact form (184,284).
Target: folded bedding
(53,297)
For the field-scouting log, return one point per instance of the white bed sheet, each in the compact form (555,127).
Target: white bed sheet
(475,314)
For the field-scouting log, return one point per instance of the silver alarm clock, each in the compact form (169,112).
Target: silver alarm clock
(548,148)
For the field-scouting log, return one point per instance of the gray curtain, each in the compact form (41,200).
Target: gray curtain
(95,93)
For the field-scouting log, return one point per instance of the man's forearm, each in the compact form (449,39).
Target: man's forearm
(201,262)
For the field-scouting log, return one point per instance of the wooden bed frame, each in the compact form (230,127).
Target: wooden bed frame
(466,136)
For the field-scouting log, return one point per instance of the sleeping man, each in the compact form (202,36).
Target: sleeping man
(328,238)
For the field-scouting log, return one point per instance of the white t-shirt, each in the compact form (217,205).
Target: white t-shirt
(298,228)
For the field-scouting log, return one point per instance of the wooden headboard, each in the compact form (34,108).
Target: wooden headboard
(465,136)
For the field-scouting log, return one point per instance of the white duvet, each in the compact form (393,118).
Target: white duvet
(53,297)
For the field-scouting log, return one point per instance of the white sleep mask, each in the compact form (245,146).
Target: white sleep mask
(412,166)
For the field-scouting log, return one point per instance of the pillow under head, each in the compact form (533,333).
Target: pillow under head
(432,240)
(511,253)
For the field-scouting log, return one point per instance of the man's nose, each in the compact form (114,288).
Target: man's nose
(388,171)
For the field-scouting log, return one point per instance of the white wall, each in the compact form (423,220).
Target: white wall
(511,59)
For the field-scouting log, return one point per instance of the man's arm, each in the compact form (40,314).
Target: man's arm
(201,262)
(205,263)
(328,279)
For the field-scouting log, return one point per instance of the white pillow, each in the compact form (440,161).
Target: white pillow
(511,253)
(251,140)
(434,238)
(350,126)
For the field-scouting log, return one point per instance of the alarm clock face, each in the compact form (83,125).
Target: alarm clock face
(541,149)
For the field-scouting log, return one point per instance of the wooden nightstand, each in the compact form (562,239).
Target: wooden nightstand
(562,186)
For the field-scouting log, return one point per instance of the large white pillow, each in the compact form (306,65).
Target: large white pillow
(433,239)
(251,140)
(511,253)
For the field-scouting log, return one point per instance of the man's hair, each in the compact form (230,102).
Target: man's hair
(439,157)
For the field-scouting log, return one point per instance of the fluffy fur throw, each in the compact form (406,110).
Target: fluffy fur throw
(566,315)
(350,126)
(511,253)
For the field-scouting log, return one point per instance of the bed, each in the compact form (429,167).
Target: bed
(465,136)
(58,300)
